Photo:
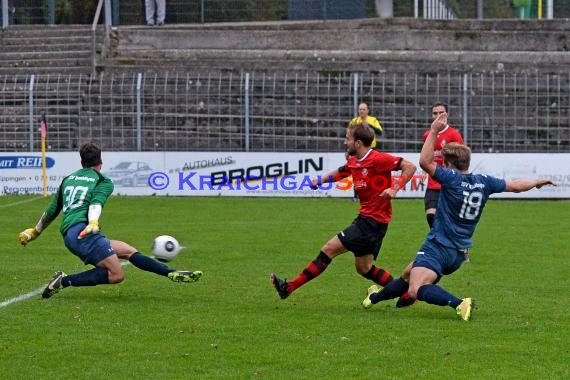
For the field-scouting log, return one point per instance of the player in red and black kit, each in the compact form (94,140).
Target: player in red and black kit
(372,175)
(445,136)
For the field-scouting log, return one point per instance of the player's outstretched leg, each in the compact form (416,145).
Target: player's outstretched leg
(367,303)
(281,286)
(310,272)
(436,295)
(464,309)
(185,275)
(149,264)
(54,285)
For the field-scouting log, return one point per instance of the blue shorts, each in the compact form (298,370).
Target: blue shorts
(92,249)
(439,258)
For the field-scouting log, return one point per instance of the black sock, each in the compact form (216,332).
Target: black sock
(149,264)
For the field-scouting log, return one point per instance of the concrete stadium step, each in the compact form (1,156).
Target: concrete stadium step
(352,40)
(42,31)
(45,55)
(53,47)
(353,45)
(51,69)
(12,43)
(364,60)
(44,64)
(27,49)
(374,34)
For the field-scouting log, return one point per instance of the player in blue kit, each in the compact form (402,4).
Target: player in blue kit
(461,201)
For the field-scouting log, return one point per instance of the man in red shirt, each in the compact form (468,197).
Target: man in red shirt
(371,172)
(445,136)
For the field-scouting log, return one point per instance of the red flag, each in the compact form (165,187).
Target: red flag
(44,126)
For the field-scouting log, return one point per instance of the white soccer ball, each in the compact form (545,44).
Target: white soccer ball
(165,248)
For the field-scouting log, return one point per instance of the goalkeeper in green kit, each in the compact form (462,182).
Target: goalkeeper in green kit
(81,196)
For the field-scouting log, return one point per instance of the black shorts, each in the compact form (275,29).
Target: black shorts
(430,198)
(364,236)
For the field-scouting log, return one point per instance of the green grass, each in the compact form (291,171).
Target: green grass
(232,324)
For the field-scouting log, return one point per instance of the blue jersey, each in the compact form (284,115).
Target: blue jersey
(460,204)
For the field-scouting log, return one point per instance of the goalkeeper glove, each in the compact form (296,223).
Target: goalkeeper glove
(92,228)
(28,235)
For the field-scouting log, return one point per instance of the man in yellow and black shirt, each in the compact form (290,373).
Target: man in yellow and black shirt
(371,121)
(363,116)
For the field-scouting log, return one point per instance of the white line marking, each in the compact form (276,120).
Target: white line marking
(20,202)
(36,292)
(23,297)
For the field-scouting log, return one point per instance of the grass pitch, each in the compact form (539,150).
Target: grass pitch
(232,324)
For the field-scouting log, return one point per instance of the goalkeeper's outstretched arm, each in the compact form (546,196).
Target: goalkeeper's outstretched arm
(47,217)
(32,233)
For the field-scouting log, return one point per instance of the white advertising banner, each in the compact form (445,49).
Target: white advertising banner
(255,174)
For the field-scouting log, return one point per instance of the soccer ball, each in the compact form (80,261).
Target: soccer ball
(165,248)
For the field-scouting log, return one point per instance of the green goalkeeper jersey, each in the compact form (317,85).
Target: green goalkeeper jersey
(76,193)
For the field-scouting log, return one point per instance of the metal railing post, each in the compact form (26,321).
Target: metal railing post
(139,112)
(94,37)
(4,14)
(51,12)
(480,15)
(108,17)
(416,9)
(116,13)
(355,94)
(549,9)
(246,113)
(31,111)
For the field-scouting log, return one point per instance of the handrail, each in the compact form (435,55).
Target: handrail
(94,37)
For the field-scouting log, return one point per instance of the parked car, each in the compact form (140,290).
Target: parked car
(130,173)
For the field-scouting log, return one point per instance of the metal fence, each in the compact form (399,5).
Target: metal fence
(132,12)
(280,111)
